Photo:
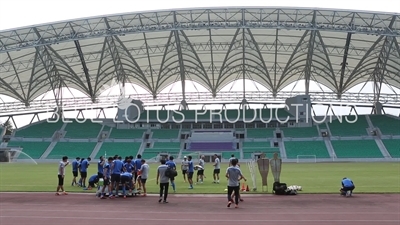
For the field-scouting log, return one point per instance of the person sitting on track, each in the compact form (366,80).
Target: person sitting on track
(93,180)
(347,187)
(126,181)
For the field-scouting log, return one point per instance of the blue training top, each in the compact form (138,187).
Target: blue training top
(347,182)
(75,166)
(93,178)
(191,167)
(99,167)
(117,167)
(126,174)
(84,165)
(171,164)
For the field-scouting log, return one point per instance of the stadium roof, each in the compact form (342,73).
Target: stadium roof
(273,46)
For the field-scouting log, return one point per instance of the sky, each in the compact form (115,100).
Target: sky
(20,13)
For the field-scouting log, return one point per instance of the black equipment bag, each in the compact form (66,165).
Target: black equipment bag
(279,188)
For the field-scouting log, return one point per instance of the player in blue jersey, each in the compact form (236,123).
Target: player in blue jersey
(347,187)
(75,170)
(190,172)
(116,171)
(107,178)
(138,165)
(128,166)
(84,166)
(171,164)
(126,181)
(93,180)
(100,165)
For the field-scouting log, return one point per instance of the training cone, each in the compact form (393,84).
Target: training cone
(247,188)
(243,188)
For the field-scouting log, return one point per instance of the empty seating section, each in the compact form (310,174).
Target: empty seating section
(393,147)
(32,149)
(119,148)
(356,149)
(210,146)
(168,147)
(228,155)
(300,132)
(353,126)
(87,129)
(72,150)
(260,132)
(127,133)
(306,148)
(165,134)
(322,125)
(258,147)
(40,130)
(387,125)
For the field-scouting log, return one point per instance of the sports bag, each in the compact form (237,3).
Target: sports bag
(170,173)
(279,188)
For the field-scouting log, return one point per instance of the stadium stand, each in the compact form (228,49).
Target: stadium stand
(119,148)
(127,133)
(300,132)
(42,129)
(227,155)
(165,134)
(86,129)
(72,150)
(172,148)
(387,125)
(393,147)
(306,148)
(356,149)
(33,149)
(347,127)
(260,132)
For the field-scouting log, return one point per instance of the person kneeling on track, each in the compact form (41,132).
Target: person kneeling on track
(126,181)
(347,187)
(93,180)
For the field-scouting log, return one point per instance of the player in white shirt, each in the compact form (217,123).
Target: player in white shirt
(231,158)
(217,169)
(184,167)
(200,170)
(61,175)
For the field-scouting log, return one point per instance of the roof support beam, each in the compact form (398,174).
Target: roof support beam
(214,89)
(344,61)
(180,59)
(308,67)
(85,69)
(380,69)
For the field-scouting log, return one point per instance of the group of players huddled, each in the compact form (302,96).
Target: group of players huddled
(132,174)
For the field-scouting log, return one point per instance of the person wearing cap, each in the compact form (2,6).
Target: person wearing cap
(347,187)
(184,167)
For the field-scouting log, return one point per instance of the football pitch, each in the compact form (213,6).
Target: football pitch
(313,177)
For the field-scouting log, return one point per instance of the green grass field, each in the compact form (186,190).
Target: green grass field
(313,177)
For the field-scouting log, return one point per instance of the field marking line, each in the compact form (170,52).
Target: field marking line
(207,213)
(185,220)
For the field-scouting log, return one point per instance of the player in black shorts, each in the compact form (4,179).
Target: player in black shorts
(61,174)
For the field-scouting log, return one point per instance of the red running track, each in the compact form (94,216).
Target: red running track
(46,208)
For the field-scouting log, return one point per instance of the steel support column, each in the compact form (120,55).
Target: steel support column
(308,68)
(85,69)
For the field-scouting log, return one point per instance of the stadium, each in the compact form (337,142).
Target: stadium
(319,88)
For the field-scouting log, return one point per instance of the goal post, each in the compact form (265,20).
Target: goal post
(306,159)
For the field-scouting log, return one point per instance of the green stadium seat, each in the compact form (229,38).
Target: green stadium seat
(356,149)
(228,155)
(260,132)
(165,134)
(33,149)
(295,149)
(300,132)
(387,125)
(87,129)
(127,133)
(72,150)
(42,129)
(393,147)
(119,148)
(344,128)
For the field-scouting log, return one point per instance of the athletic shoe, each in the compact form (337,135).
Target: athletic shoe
(241,200)
(124,196)
(112,197)
(165,202)
(103,197)
(348,193)
(159,200)
(57,194)
(229,204)
(65,193)
(236,206)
